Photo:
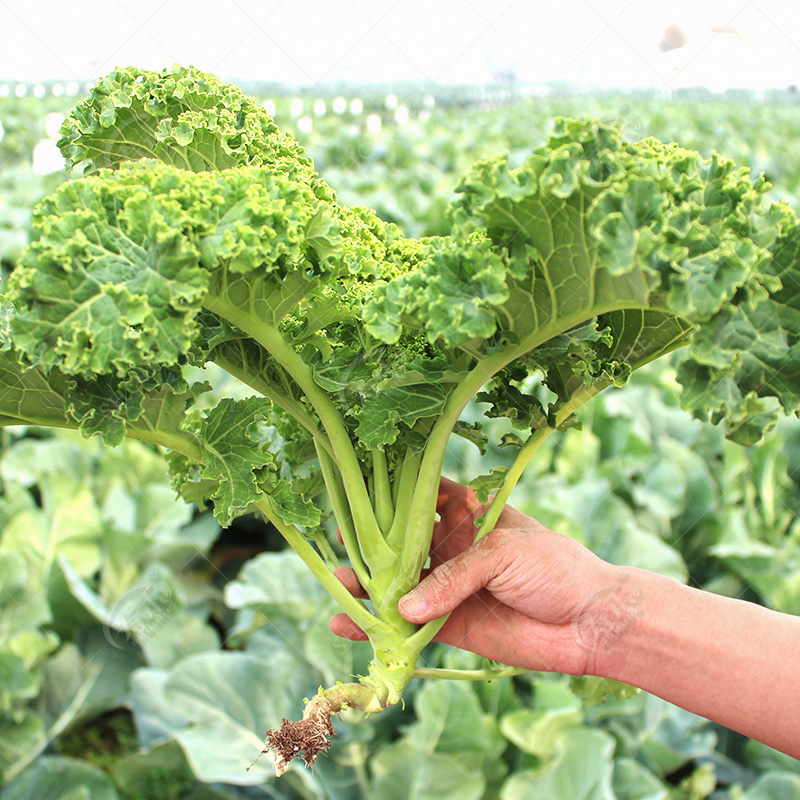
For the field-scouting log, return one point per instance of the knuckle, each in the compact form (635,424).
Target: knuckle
(497,537)
(499,542)
(502,548)
(443,577)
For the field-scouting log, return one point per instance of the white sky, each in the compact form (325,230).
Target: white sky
(604,42)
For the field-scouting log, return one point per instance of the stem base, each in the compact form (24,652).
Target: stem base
(309,737)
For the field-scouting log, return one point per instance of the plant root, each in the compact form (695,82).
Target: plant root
(309,737)
(306,738)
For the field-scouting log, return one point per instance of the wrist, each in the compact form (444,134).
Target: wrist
(642,624)
(607,619)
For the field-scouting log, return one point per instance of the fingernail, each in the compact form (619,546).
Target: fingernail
(413,603)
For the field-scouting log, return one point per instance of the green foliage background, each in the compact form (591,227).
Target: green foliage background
(143,651)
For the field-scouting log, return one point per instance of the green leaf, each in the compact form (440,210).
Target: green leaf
(598,255)
(217,707)
(380,415)
(22,737)
(17,684)
(33,646)
(633,782)
(580,771)
(328,653)
(23,607)
(139,612)
(30,396)
(276,582)
(68,680)
(59,778)
(232,455)
(114,284)
(592,689)
(663,736)
(402,772)
(143,405)
(524,410)
(774,786)
(119,282)
(451,721)
(763,758)
(68,527)
(60,467)
(180,635)
(293,508)
(98,673)
(772,571)
(539,731)
(452,295)
(485,485)
(161,772)
(750,351)
(181,115)
(592,513)
(472,432)
(700,783)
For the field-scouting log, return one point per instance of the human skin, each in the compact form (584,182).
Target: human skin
(529,597)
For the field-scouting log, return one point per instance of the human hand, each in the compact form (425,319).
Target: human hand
(522,595)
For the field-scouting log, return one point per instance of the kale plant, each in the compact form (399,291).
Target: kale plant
(196,232)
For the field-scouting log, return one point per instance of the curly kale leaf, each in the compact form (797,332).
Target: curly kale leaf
(124,262)
(242,457)
(181,116)
(598,255)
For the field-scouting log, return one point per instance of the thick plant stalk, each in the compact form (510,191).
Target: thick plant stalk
(513,475)
(341,511)
(429,673)
(309,736)
(390,672)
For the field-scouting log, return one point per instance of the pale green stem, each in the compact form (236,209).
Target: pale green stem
(384,509)
(375,551)
(527,451)
(429,630)
(396,482)
(324,546)
(58,727)
(426,633)
(417,538)
(341,511)
(179,444)
(468,674)
(417,541)
(512,477)
(368,623)
(404,493)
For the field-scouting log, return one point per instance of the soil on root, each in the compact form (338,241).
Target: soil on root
(306,738)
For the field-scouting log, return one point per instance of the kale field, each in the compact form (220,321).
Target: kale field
(144,649)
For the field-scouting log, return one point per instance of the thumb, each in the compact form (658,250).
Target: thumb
(451,583)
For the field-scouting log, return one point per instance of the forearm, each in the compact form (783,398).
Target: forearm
(733,662)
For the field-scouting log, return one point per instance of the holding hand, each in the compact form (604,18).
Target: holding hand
(528,597)
(522,595)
